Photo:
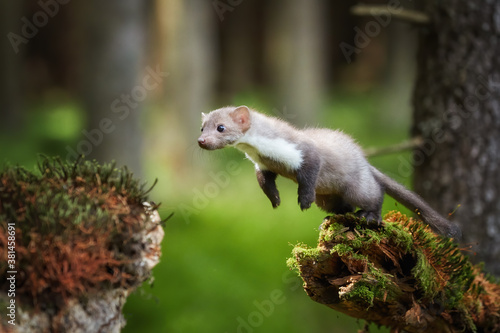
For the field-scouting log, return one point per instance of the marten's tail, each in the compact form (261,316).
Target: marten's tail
(415,203)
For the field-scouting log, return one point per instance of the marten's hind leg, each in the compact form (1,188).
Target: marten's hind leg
(371,207)
(371,216)
(332,203)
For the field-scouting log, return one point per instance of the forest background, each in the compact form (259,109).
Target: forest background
(127,80)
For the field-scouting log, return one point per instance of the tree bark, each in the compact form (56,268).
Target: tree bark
(457,113)
(11,56)
(241,47)
(193,66)
(113,90)
(296,51)
(399,275)
(400,72)
(189,56)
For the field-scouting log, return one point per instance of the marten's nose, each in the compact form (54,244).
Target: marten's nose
(201,142)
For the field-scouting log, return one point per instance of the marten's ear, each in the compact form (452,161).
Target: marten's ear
(203,116)
(241,116)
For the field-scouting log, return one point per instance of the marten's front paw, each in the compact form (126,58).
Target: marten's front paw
(275,201)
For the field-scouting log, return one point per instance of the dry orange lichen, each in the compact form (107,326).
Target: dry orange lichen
(77,229)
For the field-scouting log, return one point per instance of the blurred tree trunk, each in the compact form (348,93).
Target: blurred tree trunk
(241,46)
(188,29)
(114,85)
(10,65)
(400,73)
(296,56)
(457,112)
(195,63)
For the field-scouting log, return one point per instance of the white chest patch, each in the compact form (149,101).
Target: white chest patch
(277,149)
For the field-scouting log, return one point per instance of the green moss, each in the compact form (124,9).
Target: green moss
(292,264)
(60,193)
(402,262)
(361,293)
(342,250)
(358,243)
(426,276)
(401,237)
(334,230)
(301,252)
(83,219)
(366,235)
(383,284)
(372,237)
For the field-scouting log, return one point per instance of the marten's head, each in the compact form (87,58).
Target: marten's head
(223,127)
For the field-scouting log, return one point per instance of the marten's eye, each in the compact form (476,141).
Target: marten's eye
(202,129)
(221,128)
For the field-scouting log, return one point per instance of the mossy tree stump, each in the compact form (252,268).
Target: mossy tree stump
(75,240)
(399,275)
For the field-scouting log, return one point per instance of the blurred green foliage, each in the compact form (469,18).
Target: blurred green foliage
(223,267)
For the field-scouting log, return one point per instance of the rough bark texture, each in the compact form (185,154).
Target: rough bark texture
(457,112)
(100,313)
(400,275)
